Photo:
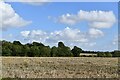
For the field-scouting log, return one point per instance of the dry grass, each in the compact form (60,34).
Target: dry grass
(59,67)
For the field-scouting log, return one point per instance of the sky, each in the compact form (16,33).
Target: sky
(88,25)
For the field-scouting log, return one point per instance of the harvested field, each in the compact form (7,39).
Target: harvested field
(59,67)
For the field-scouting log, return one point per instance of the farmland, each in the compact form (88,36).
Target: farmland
(59,67)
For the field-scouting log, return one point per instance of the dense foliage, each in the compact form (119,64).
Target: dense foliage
(76,51)
(36,49)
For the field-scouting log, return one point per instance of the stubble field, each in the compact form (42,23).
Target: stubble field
(59,67)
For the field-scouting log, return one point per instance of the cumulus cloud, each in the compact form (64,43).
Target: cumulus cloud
(25,33)
(34,35)
(96,19)
(95,33)
(68,19)
(101,24)
(100,16)
(9,18)
(69,36)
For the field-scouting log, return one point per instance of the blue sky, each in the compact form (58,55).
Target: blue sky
(58,21)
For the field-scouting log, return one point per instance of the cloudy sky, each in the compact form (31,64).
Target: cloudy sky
(89,25)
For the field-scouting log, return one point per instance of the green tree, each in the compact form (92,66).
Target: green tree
(54,51)
(17,50)
(17,43)
(108,54)
(29,45)
(76,51)
(37,44)
(63,51)
(26,50)
(67,52)
(101,54)
(116,53)
(34,51)
(61,44)
(0,50)
(6,48)
(6,51)
(45,51)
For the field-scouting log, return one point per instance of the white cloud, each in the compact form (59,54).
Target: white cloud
(10,18)
(95,33)
(25,33)
(68,34)
(100,16)
(68,19)
(101,24)
(34,35)
(71,37)
(96,19)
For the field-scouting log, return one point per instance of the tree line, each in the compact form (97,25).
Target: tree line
(37,49)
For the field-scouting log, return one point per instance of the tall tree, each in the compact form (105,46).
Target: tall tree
(76,51)
(61,44)
(63,51)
